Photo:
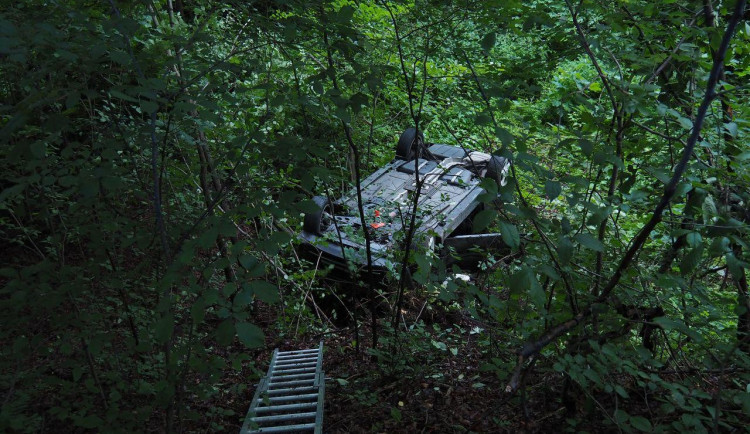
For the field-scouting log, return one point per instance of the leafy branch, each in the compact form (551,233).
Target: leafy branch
(532,348)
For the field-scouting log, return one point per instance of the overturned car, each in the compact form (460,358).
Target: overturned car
(448,178)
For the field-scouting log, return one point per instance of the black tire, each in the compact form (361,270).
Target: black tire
(316,222)
(497,169)
(407,147)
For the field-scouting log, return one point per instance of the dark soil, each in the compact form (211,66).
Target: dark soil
(434,391)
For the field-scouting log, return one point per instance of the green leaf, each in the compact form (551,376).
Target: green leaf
(685,122)
(265,291)
(490,187)
(117,94)
(621,391)
(225,332)
(744,399)
(198,310)
(666,323)
(592,375)
(10,193)
(719,246)
(494,91)
(709,209)
(250,335)
(244,296)
(280,237)
(565,250)
(229,289)
(344,15)
(691,259)
(552,189)
(248,262)
(525,281)
(683,188)
(510,235)
(536,293)
(488,41)
(272,245)
(208,238)
(674,324)
(396,414)
(308,206)
(641,423)
(565,225)
(621,416)
(731,128)
(38,149)
(119,56)
(693,239)
(599,215)
(549,270)
(358,101)
(149,106)
(504,135)
(586,146)
(483,219)
(343,114)
(15,123)
(226,227)
(590,242)
(164,328)
(735,266)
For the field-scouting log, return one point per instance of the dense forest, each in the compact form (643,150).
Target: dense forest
(159,156)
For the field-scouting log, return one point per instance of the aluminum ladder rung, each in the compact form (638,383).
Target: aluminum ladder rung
(312,353)
(292,377)
(312,367)
(292,383)
(287,428)
(309,350)
(285,407)
(295,416)
(302,389)
(296,356)
(298,359)
(310,370)
(287,398)
(301,354)
(291,393)
(284,364)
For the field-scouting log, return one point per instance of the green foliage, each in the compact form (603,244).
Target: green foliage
(155,164)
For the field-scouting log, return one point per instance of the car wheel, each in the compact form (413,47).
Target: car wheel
(407,147)
(497,169)
(318,221)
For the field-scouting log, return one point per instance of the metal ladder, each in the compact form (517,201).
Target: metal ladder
(290,397)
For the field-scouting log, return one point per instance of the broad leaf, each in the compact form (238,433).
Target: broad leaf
(250,335)
(590,242)
(265,291)
(225,332)
(552,189)
(510,235)
(483,219)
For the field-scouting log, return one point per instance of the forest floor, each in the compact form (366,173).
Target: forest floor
(435,389)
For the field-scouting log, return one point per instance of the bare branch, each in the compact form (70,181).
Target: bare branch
(587,48)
